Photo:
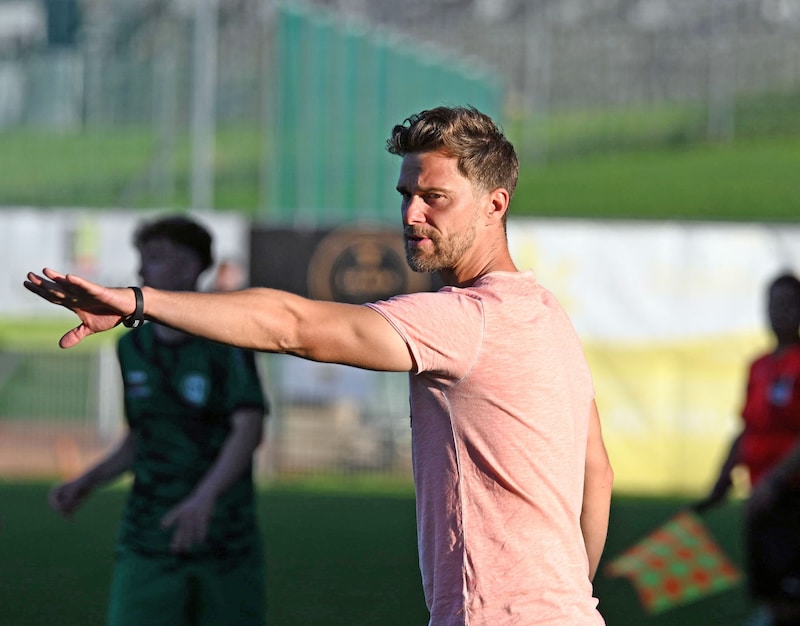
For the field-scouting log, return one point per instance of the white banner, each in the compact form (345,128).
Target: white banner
(670,315)
(96,244)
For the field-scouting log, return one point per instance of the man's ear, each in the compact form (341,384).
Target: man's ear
(497,205)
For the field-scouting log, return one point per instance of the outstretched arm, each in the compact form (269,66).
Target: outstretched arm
(260,319)
(598,481)
(724,480)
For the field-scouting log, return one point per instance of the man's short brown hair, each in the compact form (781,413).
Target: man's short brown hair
(485,156)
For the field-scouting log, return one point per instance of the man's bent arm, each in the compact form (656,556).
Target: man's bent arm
(190,518)
(598,482)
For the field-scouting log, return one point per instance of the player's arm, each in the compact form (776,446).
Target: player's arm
(66,497)
(781,476)
(598,482)
(260,319)
(787,469)
(190,517)
(724,480)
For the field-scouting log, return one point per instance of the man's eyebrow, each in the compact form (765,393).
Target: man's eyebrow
(404,189)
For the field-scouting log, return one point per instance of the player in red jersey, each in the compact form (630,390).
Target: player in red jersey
(769,446)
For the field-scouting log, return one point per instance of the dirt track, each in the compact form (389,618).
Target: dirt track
(46,449)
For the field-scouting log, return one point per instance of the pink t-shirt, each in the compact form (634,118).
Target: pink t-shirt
(500,404)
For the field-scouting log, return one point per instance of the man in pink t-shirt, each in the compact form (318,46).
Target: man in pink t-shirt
(500,408)
(513,480)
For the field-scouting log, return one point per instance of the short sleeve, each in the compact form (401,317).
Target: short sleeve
(243,387)
(443,330)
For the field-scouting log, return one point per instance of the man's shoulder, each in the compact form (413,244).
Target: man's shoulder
(443,298)
(790,358)
(793,358)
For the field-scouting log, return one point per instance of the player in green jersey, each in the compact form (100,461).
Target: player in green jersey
(188,551)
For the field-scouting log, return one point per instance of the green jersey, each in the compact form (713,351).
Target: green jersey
(178,403)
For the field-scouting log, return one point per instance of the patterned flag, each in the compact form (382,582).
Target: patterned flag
(676,564)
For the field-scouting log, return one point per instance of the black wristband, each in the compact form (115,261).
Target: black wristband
(136,319)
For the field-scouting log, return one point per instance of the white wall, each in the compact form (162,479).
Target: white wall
(95,244)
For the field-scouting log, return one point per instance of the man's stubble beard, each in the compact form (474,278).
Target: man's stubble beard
(446,253)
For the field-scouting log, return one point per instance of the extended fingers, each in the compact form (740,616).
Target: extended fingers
(67,290)
(44,289)
(52,280)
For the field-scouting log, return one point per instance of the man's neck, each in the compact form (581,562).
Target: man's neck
(467,275)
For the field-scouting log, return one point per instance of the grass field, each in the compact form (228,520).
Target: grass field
(753,180)
(649,163)
(340,552)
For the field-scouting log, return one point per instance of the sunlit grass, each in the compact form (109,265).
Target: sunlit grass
(645,162)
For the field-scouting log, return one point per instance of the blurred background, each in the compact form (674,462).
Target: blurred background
(659,143)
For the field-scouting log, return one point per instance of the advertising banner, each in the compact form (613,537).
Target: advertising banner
(670,315)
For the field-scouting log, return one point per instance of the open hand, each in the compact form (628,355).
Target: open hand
(98,308)
(189,521)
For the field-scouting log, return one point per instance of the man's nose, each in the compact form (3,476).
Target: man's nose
(413,211)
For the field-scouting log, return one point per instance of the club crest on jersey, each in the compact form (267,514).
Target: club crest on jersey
(780,393)
(136,384)
(194,388)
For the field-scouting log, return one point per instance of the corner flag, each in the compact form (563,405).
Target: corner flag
(676,564)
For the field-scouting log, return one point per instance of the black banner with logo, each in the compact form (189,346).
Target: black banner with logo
(348,264)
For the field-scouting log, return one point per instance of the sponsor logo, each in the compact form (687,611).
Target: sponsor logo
(359,265)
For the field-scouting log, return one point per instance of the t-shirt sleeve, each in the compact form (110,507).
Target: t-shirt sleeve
(443,330)
(243,389)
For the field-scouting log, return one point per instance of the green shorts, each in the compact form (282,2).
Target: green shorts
(180,591)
